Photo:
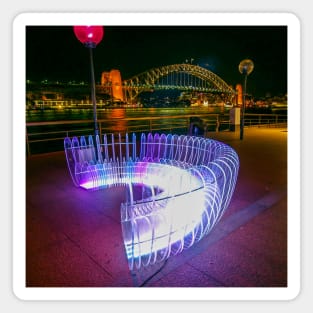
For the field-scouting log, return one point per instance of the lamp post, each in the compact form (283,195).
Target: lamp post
(245,67)
(90,36)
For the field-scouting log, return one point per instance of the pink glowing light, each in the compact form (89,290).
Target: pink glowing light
(89,35)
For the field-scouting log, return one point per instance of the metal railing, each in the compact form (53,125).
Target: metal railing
(48,136)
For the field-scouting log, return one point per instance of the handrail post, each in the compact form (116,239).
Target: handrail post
(188,125)
(27,144)
(217,126)
(100,131)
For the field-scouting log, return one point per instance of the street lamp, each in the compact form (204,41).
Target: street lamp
(245,67)
(90,36)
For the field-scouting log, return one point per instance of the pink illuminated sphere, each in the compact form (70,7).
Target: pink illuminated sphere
(89,35)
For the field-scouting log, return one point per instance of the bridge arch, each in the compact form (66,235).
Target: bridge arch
(179,76)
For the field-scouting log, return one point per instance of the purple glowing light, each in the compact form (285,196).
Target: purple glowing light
(188,184)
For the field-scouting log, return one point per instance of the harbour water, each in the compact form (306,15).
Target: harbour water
(46,128)
(79,121)
(64,114)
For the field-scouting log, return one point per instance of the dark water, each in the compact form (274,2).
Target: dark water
(117,120)
(46,138)
(105,114)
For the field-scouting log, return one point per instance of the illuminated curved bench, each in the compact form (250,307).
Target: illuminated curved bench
(178,187)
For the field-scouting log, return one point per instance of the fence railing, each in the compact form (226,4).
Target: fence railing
(48,136)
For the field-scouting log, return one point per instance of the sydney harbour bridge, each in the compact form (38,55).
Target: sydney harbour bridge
(184,77)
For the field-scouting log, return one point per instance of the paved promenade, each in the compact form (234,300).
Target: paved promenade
(74,239)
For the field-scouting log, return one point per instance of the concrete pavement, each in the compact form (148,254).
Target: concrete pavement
(74,239)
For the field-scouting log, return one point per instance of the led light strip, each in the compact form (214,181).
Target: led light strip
(185,184)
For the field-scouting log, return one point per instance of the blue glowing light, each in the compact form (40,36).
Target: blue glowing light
(185,184)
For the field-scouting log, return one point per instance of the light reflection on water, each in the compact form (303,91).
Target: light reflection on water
(115,113)
(117,120)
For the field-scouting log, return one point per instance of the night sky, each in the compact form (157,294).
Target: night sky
(54,53)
